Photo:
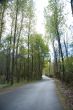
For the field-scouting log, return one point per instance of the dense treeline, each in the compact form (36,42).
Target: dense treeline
(22,51)
(55,31)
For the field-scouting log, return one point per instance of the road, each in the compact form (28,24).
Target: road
(40,95)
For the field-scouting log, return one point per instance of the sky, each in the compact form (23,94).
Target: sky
(39,11)
(40,28)
(40,5)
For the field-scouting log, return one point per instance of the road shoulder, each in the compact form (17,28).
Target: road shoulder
(65,94)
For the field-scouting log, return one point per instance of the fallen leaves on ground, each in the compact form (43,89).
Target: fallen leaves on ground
(66,91)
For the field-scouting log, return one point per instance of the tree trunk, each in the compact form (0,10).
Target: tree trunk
(2,17)
(55,60)
(66,49)
(28,74)
(17,48)
(14,42)
(60,51)
(32,63)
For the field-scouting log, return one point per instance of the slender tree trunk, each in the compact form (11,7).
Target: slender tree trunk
(14,42)
(32,63)
(10,54)
(55,60)
(39,60)
(28,74)
(60,51)
(66,49)
(3,7)
(8,59)
(7,66)
(17,48)
(24,75)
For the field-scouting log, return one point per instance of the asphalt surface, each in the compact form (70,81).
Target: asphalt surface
(35,96)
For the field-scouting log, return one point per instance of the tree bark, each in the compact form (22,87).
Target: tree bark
(14,42)
(3,7)
(17,48)
(60,51)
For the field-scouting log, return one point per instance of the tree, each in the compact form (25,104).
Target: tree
(3,6)
(54,23)
(14,41)
(72,6)
(29,16)
(38,50)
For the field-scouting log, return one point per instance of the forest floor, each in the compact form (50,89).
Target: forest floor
(65,93)
(8,87)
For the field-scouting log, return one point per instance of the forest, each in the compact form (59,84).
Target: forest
(62,44)
(26,54)
(22,50)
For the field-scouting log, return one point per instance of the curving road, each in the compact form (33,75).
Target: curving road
(35,96)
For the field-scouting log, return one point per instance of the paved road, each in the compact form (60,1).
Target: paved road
(36,96)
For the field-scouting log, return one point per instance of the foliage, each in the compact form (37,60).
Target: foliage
(20,49)
(69,69)
(55,23)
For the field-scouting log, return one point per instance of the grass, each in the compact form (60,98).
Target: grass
(7,87)
(4,88)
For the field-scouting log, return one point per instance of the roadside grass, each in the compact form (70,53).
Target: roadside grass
(61,93)
(8,87)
